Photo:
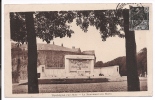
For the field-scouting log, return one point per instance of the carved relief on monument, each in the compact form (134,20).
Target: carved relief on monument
(79,64)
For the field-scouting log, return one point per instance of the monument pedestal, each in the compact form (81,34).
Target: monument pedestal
(79,64)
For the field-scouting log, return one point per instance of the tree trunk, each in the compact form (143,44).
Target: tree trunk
(32,54)
(131,61)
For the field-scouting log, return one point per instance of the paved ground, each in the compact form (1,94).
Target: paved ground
(84,87)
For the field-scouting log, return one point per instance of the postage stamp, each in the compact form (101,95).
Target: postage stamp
(139,18)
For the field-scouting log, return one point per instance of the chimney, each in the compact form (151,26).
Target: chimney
(73,47)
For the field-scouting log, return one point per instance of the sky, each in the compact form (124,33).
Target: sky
(105,51)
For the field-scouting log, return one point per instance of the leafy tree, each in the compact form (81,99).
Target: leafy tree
(108,23)
(99,64)
(17,52)
(48,25)
(15,75)
(142,61)
(121,62)
(26,26)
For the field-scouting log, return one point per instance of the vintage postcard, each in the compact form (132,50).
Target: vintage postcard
(78,50)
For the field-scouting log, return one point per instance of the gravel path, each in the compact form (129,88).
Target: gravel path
(84,87)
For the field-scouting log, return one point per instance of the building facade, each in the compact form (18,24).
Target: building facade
(59,62)
(51,56)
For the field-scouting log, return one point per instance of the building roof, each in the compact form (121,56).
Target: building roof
(56,48)
(49,47)
(89,52)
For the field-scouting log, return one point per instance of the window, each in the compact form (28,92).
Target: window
(42,69)
(117,69)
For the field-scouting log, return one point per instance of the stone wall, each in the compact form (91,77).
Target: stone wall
(53,59)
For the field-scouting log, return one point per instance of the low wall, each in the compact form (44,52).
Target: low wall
(62,73)
(107,71)
(52,73)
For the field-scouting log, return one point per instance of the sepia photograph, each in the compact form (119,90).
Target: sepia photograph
(70,50)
